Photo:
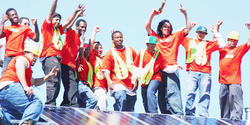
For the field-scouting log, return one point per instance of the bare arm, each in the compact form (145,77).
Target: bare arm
(36,37)
(93,36)
(4,19)
(107,76)
(21,63)
(248,26)
(219,22)
(79,14)
(52,11)
(188,23)
(40,81)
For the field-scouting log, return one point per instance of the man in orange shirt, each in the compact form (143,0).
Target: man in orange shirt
(18,102)
(68,63)
(51,46)
(117,66)
(15,36)
(198,55)
(231,95)
(168,43)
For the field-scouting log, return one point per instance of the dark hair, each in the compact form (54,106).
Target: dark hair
(57,15)
(97,44)
(21,19)
(116,31)
(159,32)
(8,10)
(79,21)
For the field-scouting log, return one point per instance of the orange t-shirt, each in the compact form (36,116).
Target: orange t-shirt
(10,73)
(15,37)
(97,82)
(230,64)
(169,46)
(108,64)
(70,48)
(211,46)
(160,63)
(48,48)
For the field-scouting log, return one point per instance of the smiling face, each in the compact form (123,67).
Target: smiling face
(81,28)
(98,50)
(118,40)
(151,47)
(165,29)
(25,22)
(56,21)
(232,43)
(13,17)
(201,35)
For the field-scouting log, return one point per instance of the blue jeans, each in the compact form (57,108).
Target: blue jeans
(86,98)
(123,101)
(231,101)
(201,81)
(6,61)
(149,98)
(169,94)
(17,105)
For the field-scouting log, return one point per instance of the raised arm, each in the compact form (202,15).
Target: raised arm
(219,22)
(73,16)
(217,36)
(36,37)
(4,19)
(79,14)
(52,11)
(248,26)
(188,23)
(40,81)
(93,36)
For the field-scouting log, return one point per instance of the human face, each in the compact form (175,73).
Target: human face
(232,43)
(118,40)
(151,47)
(201,35)
(56,21)
(165,29)
(25,22)
(13,17)
(81,28)
(98,51)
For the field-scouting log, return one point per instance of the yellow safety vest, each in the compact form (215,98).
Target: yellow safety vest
(148,71)
(121,68)
(90,75)
(57,40)
(98,72)
(197,52)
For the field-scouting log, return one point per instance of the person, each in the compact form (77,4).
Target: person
(26,22)
(86,98)
(230,93)
(68,64)
(17,99)
(148,64)
(15,36)
(117,65)
(169,94)
(51,46)
(198,55)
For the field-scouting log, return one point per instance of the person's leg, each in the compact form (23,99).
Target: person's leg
(65,81)
(224,101)
(129,104)
(173,94)
(6,61)
(162,94)
(204,92)
(236,101)
(144,98)
(87,96)
(151,97)
(100,93)
(72,93)
(192,85)
(120,98)
(53,84)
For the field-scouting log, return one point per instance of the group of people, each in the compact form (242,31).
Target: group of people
(87,76)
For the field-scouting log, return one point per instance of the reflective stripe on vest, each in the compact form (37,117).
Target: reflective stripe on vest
(57,40)
(90,75)
(197,52)
(98,72)
(148,70)
(121,68)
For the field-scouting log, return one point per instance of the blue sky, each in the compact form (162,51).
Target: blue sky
(130,16)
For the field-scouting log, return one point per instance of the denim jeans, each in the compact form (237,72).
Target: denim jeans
(202,82)
(53,84)
(169,94)
(86,98)
(100,93)
(231,101)
(123,101)
(70,86)
(149,98)
(17,105)
(6,61)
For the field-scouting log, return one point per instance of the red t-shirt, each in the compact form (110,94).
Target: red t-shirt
(108,64)
(47,45)
(97,82)
(169,46)
(230,64)
(160,63)
(15,37)
(211,46)
(83,75)
(70,48)
(10,73)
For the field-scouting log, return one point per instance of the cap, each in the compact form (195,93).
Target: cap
(233,35)
(151,40)
(32,48)
(201,29)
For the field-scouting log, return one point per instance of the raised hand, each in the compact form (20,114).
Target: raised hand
(183,10)
(34,21)
(97,29)
(219,22)
(4,18)
(248,25)
(193,24)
